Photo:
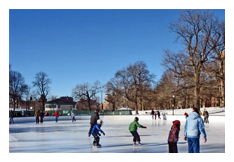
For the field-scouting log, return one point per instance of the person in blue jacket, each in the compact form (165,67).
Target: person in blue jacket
(95,132)
(194,126)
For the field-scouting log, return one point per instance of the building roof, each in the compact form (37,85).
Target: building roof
(62,100)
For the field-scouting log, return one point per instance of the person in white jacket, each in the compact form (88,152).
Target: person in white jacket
(194,126)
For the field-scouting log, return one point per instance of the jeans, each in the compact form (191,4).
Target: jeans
(193,145)
(56,118)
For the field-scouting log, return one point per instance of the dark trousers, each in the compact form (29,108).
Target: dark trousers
(91,127)
(136,136)
(11,120)
(41,119)
(96,139)
(73,118)
(193,145)
(37,120)
(172,147)
(206,120)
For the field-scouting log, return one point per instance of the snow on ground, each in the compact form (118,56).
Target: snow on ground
(212,111)
(68,137)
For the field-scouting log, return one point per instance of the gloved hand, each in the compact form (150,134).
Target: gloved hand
(144,127)
(99,134)
(103,133)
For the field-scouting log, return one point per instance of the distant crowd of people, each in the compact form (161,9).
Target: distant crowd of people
(39,116)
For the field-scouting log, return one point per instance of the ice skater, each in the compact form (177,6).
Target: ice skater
(41,116)
(194,126)
(56,114)
(93,120)
(206,116)
(95,132)
(158,114)
(155,115)
(11,115)
(174,137)
(73,116)
(133,130)
(37,117)
(152,113)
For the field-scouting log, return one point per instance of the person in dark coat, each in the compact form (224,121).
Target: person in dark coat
(11,115)
(158,114)
(41,116)
(93,120)
(152,113)
(206,116)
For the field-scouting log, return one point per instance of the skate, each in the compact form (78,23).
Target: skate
(94,144)
(139,143)
(98,145)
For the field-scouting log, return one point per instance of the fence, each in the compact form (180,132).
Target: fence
(77,112)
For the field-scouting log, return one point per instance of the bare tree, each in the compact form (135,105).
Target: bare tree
(86,92)
(114,91)
(134,80)
(41,84)
(197,29)
(17,87)
(220,57)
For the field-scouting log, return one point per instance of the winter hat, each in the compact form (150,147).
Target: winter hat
(176,122)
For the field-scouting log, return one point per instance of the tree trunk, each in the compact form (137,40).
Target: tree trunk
(136,107)
(222,83)
(89,104)
(197,90)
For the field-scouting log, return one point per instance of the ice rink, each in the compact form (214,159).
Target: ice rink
(26,136)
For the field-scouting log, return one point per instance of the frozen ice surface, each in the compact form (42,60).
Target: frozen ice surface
(66,136)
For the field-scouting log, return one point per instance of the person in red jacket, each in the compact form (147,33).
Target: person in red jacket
(56,114)
(155,115)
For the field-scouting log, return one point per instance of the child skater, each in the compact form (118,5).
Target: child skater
(174,137)
(95,132)
(133,129)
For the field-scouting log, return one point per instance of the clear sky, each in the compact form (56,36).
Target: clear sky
(78,46)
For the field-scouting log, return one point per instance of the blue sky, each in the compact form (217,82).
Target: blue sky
(78,46)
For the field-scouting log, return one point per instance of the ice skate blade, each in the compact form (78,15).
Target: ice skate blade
(137,145)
